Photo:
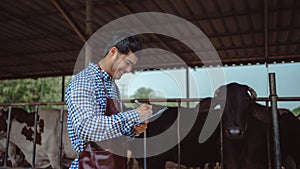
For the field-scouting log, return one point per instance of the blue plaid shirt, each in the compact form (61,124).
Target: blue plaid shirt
(86,102)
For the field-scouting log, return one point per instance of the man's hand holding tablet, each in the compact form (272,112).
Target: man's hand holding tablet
(146,119)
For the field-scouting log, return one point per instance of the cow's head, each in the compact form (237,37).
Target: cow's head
(235,100)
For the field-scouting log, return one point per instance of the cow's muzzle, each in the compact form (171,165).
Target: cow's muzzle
(234,133)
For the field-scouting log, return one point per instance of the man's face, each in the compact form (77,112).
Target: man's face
(123,64)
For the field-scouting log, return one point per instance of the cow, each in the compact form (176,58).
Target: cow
(16,156)
(246,125)
(47,138)
(193,154)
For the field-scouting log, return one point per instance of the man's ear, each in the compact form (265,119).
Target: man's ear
(113,53)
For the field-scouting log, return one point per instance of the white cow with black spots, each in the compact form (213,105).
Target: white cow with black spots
(48,135)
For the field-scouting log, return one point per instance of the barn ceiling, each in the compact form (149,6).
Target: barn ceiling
(37,38)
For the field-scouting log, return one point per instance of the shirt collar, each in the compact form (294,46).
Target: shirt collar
(97,69)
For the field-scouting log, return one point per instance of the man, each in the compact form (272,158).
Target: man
(90,90)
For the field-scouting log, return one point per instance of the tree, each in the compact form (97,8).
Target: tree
(142,93)
(296,111)
(31,90)
(148,93)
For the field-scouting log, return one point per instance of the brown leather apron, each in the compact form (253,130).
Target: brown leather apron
(94,156)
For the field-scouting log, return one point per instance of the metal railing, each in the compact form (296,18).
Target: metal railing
(179,101)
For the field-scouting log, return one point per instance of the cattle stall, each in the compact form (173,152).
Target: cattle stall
(37,105)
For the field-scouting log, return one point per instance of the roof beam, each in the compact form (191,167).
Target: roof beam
(68,18)
(4,71)
(34,75)
(217,35)
(235,61)
(53,52)
(253,59)
(243,47)
(153,42)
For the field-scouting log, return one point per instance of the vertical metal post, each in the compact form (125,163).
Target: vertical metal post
(187,87)
(61,118)
(34,138)
(63,88)
(88,29)
(89,17)
(7,136)
(221,143)
(178,139)
(268,138)
(276,162)
(145,150)
(266,31)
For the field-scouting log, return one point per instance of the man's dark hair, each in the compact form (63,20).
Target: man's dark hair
(124,42)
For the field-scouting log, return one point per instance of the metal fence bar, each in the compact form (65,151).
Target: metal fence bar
(145,149)
(141,100)
(7,136)
(221,144)
(178,136)
(268,139)
(276,163)
(61,120)
(35,132)
(33,104)
(197,99)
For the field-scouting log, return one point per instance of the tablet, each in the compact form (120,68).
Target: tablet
(154,115)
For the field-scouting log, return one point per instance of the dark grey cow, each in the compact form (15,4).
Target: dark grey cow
(245,126)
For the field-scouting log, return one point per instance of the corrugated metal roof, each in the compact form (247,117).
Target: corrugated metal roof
(36,40)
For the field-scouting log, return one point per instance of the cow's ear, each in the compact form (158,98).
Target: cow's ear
(261,113)
(220,93)
(252,92)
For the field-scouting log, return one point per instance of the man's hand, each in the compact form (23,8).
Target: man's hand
(140,128)
(144,110)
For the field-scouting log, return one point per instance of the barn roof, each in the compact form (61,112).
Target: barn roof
(38,41)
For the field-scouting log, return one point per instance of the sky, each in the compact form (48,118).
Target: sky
(171,83)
